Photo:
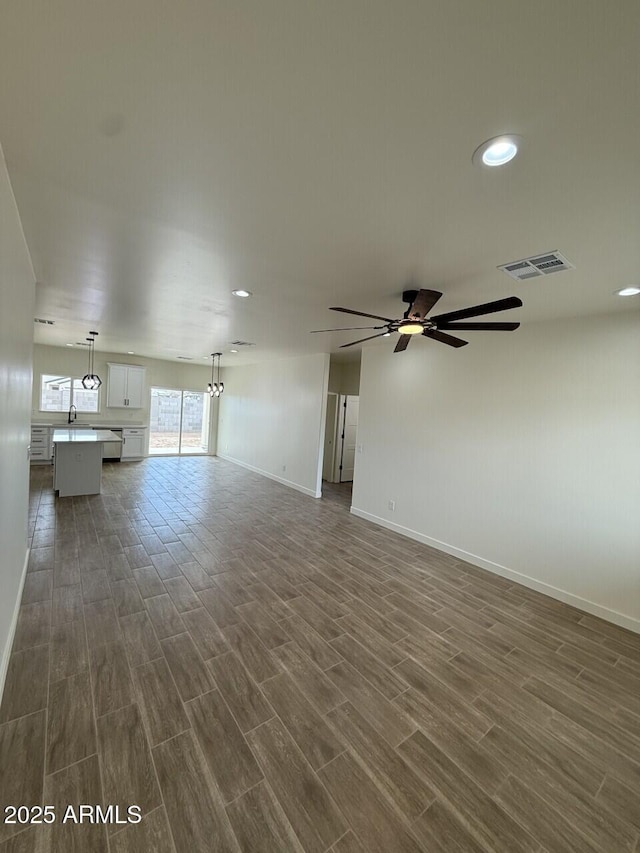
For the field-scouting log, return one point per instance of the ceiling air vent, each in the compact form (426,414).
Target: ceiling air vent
(537,266)
(43,322)
(241,344)
(185,357)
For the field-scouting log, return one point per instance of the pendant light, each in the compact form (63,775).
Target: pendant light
(215,388)
(91,381)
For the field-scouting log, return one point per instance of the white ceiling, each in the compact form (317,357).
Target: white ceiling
(163,153)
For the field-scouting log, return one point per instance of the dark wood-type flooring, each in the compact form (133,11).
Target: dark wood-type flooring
(261,671)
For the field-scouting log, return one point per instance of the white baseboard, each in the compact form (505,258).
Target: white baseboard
(6,652)
(540,586)
(310,492)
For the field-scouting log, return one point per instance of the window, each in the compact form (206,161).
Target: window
(58,393)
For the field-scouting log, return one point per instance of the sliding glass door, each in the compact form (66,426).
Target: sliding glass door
(179,422)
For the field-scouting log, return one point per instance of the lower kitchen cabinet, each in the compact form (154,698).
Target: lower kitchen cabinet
(133,444)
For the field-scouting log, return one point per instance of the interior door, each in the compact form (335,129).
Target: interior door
(351,406)
(330,433)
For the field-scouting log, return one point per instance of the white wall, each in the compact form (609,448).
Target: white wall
(344,377)
(272,419)
(520,453)
(17,294)
(68,361)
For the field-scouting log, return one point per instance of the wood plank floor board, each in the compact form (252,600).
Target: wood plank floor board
(101,623)
(182,594)
(260,824)
(126,597)
(315,684)
(151,835)
(189,671)
(196,576)
(595,822)
(388,681)
(385,716)
(404,788)
(164,616)
(312,813)
(493,826)
(196,816)
(223,745)
(110,678)
(220,608)
(127,770)
(374,821)
(241,693)
(66,604)
(22,752)
(205,634)
(482,765)
(440,831)
(159,702)
(311,643)
(79,783)
(69,652)
(71,732)
(139,638)
(314,737)
(25,687)
(251,651)
(33,626)
(38,586)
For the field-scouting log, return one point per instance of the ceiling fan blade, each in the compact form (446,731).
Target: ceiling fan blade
(478,310)
(345,329)
(422,304)
(361,314)
(478,327)
(362,340)
(445,339)
(403,343)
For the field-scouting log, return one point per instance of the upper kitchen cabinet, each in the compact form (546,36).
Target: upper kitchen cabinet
(125,386)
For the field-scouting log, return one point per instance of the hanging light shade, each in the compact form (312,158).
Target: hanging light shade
(215,387)
(91,381)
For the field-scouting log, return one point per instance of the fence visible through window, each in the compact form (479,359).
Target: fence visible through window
(179,422)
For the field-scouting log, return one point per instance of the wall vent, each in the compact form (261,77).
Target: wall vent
(242,344)
(537,266)
(43,322)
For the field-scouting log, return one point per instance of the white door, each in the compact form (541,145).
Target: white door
(351,406)
(330,433)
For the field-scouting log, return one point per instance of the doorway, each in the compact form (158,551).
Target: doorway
(178,422)
(341,428)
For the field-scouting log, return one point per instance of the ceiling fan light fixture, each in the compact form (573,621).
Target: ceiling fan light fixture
(497,151)
(411,328)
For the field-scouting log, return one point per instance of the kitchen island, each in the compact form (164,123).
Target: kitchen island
(78,460)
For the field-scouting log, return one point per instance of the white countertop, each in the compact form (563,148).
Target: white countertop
(84,436)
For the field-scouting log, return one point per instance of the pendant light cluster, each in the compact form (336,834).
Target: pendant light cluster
(91,381)
(215,388)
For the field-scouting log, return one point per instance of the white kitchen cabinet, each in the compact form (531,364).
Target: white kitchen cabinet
(133,443)
(125,386)
(41,450)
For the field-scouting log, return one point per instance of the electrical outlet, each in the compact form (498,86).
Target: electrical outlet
(392,506)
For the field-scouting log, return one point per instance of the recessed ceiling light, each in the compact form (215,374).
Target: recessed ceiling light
(130,352)
(233,350)
(69,345)
(242,293)
(628,291)
(496,151)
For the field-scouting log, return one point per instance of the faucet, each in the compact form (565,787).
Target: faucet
(75,413)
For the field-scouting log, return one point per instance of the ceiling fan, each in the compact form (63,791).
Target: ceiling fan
(416,322)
